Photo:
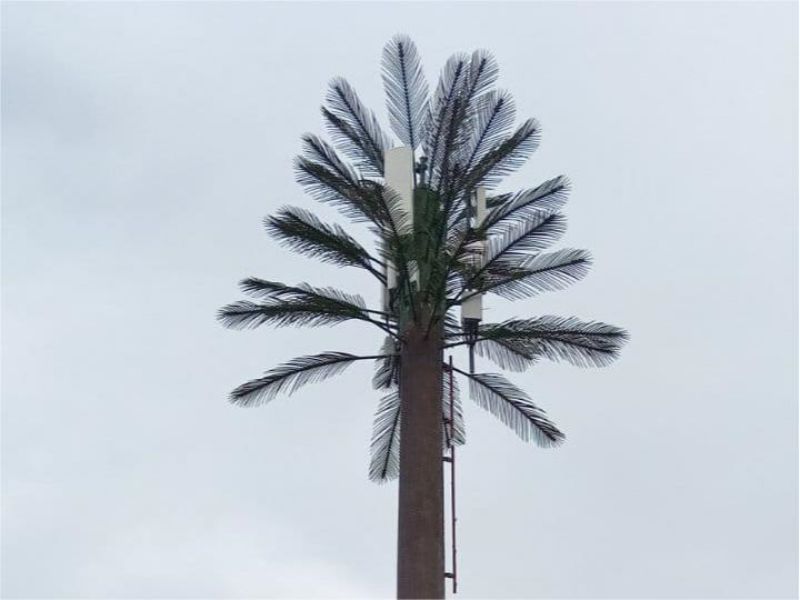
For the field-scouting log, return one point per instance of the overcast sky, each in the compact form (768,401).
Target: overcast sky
(144,143)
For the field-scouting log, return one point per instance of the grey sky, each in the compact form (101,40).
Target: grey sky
(143,144)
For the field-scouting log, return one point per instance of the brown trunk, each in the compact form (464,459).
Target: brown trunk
(420,540)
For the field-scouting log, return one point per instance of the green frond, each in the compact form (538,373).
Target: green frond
(301,231)
(387,368)
(355,129)
(385,444)
(514,408)
(519,207)
(492,119)
(302,292)
(517,240)
(506,250)
(301,305)
(503,158)
(483,73)
(581,343)
(384,464)
(459,428)
(450,134)
(292,375)
(351,197)
(249,315)
(406,89)
(440,111)
(317,150)
(509,354)
(535,274)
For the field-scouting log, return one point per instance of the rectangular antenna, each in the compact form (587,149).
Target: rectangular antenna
(398,175)
(398,170)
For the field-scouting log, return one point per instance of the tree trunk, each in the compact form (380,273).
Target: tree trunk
(420,539)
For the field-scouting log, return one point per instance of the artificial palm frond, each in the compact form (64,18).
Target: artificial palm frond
(483,72)
(387,368)
(502,159)
(385,444)
(440,110)
(509,354)
(302,292)
(406,89)
(351,197)
(446,170)
(355,129)
(535,274)
(503,265)
(319,151)
(581,343)
(384,464)
(249,315)
(292,305)
(303,232)
(513,244)
(459,430)
(513,407)
(395,216)
(521,206)
(451,118)
(292,375)
(451,327)
(492,119)
(537,233)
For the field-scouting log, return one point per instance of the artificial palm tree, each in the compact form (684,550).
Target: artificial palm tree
(441,244)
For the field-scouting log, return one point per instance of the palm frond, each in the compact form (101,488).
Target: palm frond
(513,407)
(536,233)
(447,168)
(463,81)
(504,157)
(509,354)
(521,206)
(440,110)
(481,75)
(249,315)
(535,274)
(349,196)
(301,231)
(396,216)
(292,375)
(513,244)
(355,129)
(406,89)
(581,343)
(483,72)
(301,305)
(385,444)
(384,464)
(318,150)
(459,428)
(508,246)
(493,117)
(302,292)
(387,368)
